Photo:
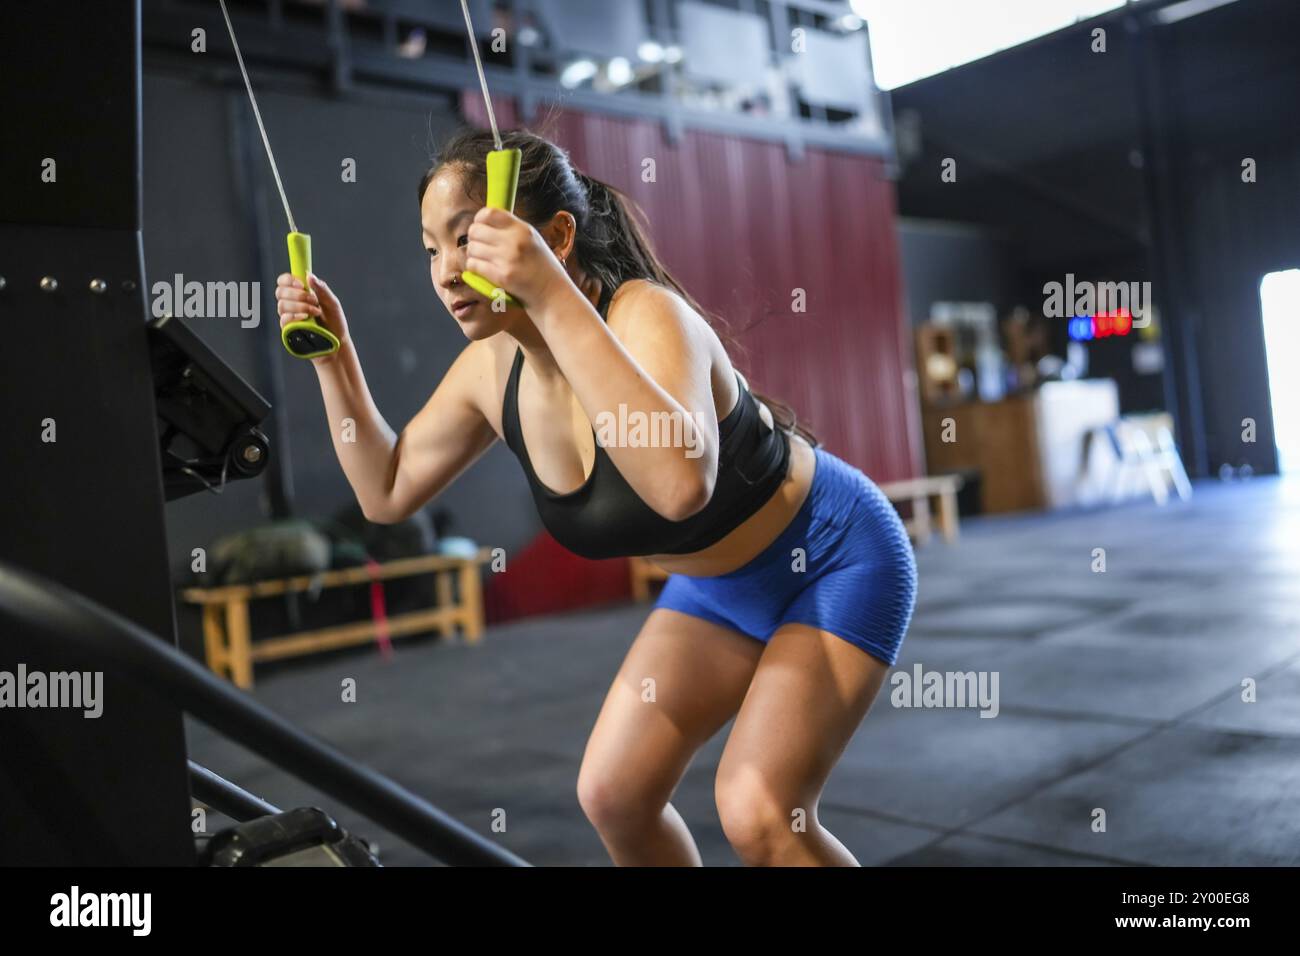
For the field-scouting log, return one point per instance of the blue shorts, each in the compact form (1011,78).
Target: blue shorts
(843,565)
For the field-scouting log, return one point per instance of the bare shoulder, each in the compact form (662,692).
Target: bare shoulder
(642,309)
(660,327)
(472,377)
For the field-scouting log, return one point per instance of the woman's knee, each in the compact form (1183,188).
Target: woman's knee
(756,817)
(615,801)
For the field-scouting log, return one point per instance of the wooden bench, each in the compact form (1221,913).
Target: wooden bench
(919,491)
(643,572)
(227,638)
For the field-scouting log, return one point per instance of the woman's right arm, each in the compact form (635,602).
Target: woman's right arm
(392,475)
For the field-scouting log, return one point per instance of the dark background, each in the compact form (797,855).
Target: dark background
(1127,164)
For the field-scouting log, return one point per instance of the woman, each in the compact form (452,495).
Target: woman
(792,579)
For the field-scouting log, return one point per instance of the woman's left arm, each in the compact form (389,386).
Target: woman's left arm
(655,375)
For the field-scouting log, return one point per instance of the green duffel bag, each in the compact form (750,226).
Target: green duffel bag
(277,550)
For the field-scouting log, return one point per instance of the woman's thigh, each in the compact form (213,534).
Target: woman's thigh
(682,679)
(809,693)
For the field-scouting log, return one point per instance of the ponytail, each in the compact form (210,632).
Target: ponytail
(624,239)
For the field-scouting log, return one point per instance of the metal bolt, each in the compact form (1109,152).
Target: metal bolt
(49,283)
(252,454)
(2,283)
(98,286)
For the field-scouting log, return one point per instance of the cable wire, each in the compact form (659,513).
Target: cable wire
(482,77)
(275,170)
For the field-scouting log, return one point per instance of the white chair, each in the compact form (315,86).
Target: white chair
(1156,465)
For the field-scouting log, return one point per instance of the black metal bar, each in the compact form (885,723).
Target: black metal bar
(1164,246)
(779,19)
(340,63)
(371,64)
(224,797)
(441,73)
(521,60)
(30,603)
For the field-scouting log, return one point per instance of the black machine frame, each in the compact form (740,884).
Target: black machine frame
(85,586)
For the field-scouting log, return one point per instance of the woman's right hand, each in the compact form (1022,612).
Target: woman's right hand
(294,303)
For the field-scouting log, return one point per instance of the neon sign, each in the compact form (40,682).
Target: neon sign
(1103,325)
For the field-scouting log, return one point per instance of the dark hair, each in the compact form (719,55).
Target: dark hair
(611,242)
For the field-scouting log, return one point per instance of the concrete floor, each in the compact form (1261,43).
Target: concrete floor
(1119,690)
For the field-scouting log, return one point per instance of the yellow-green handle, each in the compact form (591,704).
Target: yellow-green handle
(300,256)
(502,184)
(305,338)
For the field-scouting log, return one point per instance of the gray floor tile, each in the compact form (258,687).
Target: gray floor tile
(1118,690)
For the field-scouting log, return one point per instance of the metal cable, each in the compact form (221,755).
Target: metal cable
(275,170)
(482,77)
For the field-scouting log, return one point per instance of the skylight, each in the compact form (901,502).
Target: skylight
(911,39)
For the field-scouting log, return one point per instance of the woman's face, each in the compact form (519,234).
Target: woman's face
(445,217)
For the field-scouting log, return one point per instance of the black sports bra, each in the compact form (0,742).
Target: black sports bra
(605,518)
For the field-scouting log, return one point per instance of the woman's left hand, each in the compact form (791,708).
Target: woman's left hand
(512,255)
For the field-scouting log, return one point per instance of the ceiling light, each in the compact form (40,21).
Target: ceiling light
(650,52)
(577,73)
(1188,8)
(619,71)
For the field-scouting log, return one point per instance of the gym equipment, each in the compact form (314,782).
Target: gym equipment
(303,338)
(201,400)
(39,613)
(224,797)
(306,836)
(85,585)
(83,501)
(502,171)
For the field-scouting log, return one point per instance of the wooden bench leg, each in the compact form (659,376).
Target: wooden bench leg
(214,641)
(640,582)
(921,518)
(446,600)
(471,602)
(948,516)
(239,644)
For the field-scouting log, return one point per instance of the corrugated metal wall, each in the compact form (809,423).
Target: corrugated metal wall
(743,227)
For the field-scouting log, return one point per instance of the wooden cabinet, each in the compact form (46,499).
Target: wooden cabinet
(1028,449)
(995,438)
